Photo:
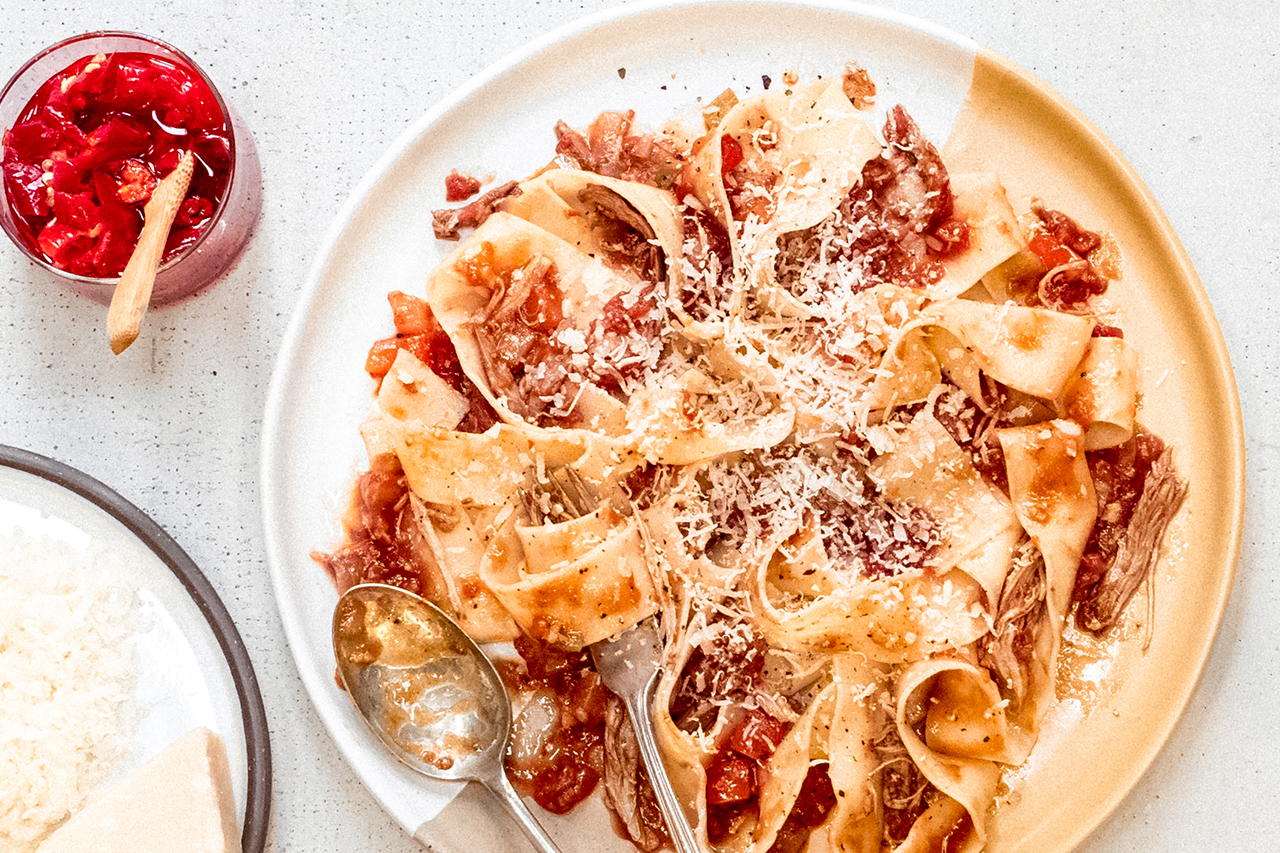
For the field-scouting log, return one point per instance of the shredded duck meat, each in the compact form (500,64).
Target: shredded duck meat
(448,222)
(1135,560)
(1009,647)
(522,359)
(896,225)
(609,147)
(628,793)
(630,236)
(903,788)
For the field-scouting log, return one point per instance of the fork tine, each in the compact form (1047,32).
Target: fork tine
(562,495)
(577,491)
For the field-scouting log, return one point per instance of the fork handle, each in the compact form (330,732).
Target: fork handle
(677,823)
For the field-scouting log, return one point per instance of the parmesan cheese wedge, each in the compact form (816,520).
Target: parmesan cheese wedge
(178,802)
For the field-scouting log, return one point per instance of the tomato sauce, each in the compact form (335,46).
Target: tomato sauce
(567,766)
(382,544)
(85,154)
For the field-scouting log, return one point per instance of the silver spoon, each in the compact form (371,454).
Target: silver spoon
(428,692)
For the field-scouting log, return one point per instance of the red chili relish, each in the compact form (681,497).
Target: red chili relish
(86,152)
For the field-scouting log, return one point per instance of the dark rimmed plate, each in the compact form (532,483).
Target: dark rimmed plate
(194,668)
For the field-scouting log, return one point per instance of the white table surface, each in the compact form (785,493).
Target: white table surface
(1189,91)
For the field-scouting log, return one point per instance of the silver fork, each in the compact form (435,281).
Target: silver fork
(628,663)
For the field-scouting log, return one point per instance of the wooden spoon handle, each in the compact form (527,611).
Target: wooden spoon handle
(133,291)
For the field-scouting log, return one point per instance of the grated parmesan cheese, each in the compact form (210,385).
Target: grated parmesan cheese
(67,670)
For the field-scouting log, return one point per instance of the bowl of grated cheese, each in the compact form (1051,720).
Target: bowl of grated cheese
(69,657)
(113,645)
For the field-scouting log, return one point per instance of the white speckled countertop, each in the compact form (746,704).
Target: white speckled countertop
(1190,92)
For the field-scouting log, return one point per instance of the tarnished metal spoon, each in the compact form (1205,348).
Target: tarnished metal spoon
(428,692)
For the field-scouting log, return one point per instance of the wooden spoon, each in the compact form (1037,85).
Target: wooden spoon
(133,291)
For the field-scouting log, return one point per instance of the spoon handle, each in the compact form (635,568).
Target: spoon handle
(500,785)
(677,824)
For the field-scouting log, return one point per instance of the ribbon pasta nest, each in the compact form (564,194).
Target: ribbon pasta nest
(851,427)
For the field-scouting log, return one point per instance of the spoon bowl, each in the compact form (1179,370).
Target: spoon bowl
(427,691)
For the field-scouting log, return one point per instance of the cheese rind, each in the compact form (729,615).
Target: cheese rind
(180,801)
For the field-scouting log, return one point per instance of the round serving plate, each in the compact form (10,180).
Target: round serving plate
(664,60)
(193,668)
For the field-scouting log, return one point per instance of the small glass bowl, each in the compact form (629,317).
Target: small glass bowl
(227,233)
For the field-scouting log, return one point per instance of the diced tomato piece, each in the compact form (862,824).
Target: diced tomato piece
(563,785)
(1051,251)
(758,735)
(435,351)
(1102,330)
(459,187)
(952,237)
(723,821)
(411,315)
(544,309)
(730,779)
(730,153)
(381,356)
(1068,232)
(816,797)
(589,700)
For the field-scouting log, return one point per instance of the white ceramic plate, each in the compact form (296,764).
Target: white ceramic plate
(662,60)
(193,667)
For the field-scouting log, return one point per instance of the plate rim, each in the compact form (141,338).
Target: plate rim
(994,66)
(1220,356)
(257,813)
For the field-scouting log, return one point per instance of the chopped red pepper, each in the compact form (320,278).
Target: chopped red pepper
(136,182)
(194,212)
(86,151)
